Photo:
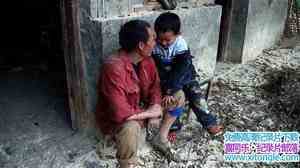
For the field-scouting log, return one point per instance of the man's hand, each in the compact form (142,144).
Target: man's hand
(133,117)
(153,111)
(154,122)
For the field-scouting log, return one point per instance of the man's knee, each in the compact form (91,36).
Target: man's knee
(129,129)
(127,137)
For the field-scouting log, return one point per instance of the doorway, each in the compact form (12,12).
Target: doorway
(232,30)
(33,87)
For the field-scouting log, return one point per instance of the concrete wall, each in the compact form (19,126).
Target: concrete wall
(200,29)
(253,25)
(265,26)
(99,39)
(113,8)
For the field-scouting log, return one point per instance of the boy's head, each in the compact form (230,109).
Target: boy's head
(167,27)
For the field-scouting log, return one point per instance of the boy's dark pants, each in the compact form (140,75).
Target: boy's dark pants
(198,104)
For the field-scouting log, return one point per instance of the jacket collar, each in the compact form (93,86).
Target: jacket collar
(124,56)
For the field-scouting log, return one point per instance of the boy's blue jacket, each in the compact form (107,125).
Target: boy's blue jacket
(182,72)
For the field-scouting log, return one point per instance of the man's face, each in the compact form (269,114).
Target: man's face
(166,39)
(147,47)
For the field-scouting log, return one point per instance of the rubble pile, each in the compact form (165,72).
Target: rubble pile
(285,97)
(255,96)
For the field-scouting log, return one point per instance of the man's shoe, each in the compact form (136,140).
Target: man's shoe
(127,166)
(164,149)
(215,130)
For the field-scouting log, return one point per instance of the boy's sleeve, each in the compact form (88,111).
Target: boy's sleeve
(159,64)
(181,68)
(181,47)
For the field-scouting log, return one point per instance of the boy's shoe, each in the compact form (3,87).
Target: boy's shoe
(176,126)
(215,130)
(164,149)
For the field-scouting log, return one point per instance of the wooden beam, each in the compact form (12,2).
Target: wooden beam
(75,67)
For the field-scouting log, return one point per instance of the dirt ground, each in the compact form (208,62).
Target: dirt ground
(35,127)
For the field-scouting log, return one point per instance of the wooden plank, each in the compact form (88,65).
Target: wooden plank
(74,64)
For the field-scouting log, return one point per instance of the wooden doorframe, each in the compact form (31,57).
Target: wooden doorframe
(226,19)
(74,62)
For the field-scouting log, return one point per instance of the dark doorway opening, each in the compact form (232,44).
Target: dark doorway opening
(33,87)
(224,28)
(232,30)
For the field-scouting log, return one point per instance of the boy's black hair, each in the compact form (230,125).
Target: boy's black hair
(132,33)
(167,22)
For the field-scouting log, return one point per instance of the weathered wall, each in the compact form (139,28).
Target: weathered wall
(200,29)
(113,8)
(253,25)
(99,37)
(265,26)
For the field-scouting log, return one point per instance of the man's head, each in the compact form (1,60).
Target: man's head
(167,27)
(137,36)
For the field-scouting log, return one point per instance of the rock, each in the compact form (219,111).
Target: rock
(268,123)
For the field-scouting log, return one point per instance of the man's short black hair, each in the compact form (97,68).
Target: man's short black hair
(167,22)
(132,33)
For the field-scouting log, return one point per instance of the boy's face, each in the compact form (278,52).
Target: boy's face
(166,39)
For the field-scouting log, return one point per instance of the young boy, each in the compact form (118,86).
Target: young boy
(178,79)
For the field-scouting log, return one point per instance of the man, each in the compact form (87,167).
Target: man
(129,90)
